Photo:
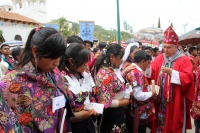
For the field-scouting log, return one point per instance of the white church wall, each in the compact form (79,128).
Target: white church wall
(35,12)
(11,29)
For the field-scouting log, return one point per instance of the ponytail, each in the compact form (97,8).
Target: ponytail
(49,44)
(101,61)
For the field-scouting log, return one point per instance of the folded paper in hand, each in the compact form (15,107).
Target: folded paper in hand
(157,88)
(96,106)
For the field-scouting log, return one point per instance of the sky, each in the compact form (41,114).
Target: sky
(138,13)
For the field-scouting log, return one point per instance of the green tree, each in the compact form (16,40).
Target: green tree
(159,23)
(126,25)
(63,26)
(99,32)
(172,25)
(1,37)
(125,35)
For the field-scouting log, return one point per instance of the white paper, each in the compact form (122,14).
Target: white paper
(96,106)
(129,89)
(157,88)
(58,102)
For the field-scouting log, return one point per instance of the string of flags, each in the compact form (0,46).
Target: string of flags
(16,24)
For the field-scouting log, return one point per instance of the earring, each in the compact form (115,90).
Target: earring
(110,64)
(35,62)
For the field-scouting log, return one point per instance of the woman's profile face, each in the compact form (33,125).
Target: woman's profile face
(133,53)
(82,68)
(47,64)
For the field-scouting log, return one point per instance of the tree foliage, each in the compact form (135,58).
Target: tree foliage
(99,32)
(1,37)
(159,26)
(127,27)
(172,25)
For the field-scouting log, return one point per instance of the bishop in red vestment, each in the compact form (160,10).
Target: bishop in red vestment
(172,71)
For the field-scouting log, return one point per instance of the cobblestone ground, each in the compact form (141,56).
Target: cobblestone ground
(188,131)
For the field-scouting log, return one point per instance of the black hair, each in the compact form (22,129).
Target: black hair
(155,49)
(104,59)
(3,45)
(16,52)
(141,55)
(78,53)
(149,48)
(131,50)
(102,45)
(74,39)
(183,47)
(49,43)
(87,41)
(140,43)
(95,50)
(198,46)
(191,49)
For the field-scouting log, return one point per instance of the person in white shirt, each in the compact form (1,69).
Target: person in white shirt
(142,105)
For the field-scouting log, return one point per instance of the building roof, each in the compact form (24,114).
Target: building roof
(16,17)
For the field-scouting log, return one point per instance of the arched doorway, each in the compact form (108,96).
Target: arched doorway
(18,37)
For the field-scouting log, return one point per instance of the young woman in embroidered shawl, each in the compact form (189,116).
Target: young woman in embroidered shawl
(73,65)
(111,89)
(31,87)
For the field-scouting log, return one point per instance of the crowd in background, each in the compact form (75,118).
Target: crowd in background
(50,70)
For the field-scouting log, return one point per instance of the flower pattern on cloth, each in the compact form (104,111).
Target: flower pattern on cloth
(77,100)
(108,85)
(146,108)
(30,94)
(117,129)
(195,111)
(8,119)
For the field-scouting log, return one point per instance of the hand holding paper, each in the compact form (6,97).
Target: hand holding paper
(96,106)
(128,91)
(157,88)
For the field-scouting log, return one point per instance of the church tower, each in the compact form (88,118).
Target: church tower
(34,9)
(5,5)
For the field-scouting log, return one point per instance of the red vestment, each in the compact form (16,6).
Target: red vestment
(174,116)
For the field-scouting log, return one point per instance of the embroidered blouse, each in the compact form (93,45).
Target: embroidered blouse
(80,90)
(109,86)
(30,94)
(141,95)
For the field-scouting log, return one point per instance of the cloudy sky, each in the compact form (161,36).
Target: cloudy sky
(138,13)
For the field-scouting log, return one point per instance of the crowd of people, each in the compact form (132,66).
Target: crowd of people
(48,86)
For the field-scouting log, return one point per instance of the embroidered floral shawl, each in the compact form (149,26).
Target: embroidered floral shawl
(8,120)
(30,94)
(108,85)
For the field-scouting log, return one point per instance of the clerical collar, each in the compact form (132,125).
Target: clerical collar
(137,67)
(170,58)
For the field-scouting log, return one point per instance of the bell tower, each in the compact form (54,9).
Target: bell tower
(5,5)
(34,9)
